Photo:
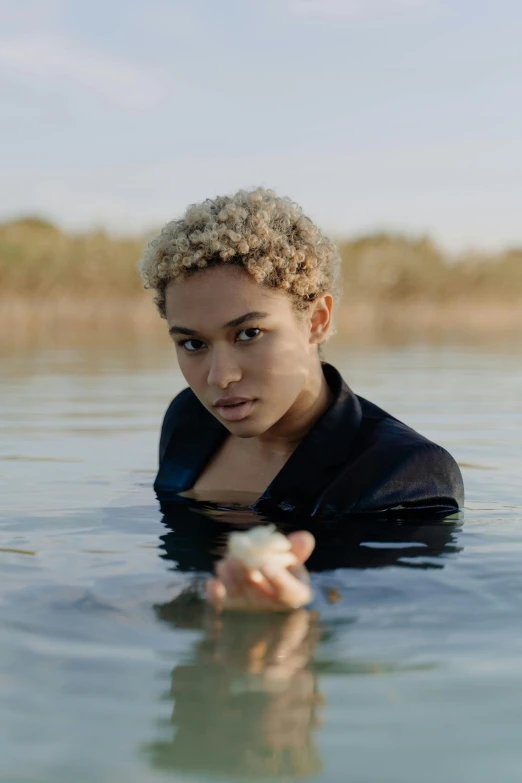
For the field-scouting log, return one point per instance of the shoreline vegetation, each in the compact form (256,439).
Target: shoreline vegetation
(397,289)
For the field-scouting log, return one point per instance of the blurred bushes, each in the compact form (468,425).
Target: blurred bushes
(392,268)
(38,260)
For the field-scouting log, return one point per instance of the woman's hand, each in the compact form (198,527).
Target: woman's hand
(268,589)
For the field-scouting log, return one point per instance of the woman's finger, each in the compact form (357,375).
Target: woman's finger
(216,593)
(236,577)
(258,584)
(232,573)
(302,543)
(289,591)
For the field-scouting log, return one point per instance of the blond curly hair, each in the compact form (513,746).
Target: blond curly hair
(265,234)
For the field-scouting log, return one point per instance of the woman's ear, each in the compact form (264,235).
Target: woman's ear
(320,318)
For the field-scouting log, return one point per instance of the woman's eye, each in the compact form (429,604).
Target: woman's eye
(191,346)
(248,334)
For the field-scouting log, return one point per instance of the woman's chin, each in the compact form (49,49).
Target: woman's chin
(252,426)
(245,428)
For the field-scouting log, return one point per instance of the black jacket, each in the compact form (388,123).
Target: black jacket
(356,460)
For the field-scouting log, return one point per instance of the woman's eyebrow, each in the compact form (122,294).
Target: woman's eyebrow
(181,330)
(235,322)
(247,317)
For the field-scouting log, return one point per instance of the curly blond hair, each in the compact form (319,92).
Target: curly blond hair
(265,234)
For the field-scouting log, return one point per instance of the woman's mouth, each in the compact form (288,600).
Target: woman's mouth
(234,409)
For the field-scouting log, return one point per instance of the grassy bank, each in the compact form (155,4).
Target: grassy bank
(395,288)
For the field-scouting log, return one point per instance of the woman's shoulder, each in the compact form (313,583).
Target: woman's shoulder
(182,402)
(378,424)
(181,413)
(393,465)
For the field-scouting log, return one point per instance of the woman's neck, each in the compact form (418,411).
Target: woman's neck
(284,437)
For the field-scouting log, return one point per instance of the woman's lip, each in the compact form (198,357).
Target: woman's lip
(235,411)
(230,401)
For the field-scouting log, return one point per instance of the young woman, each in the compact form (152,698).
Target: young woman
(247,285)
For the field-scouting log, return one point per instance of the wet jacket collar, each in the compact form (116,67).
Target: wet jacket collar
(320,454)
(191,435)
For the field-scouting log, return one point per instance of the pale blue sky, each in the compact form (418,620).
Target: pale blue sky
(402,114)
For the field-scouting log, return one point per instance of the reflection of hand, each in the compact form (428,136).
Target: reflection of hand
(277,659)
(246,700)
(268,589)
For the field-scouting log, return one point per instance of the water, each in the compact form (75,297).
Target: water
(408,668)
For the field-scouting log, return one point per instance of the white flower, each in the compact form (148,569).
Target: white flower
(261,546)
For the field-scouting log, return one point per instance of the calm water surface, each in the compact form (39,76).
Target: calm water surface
(407,669)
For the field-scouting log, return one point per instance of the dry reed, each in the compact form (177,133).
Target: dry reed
(395,288)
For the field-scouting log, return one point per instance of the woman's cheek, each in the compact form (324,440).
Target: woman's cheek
(191,368)
(268,351)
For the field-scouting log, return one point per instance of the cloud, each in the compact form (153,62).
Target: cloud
(350,8)
(49,60)
(29,14)
(170,20)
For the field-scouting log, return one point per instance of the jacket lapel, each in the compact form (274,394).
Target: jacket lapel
(319,456)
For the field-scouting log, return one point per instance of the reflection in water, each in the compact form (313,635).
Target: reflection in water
(198,534)
(247,701)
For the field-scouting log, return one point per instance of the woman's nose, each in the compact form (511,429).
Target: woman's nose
(223,369)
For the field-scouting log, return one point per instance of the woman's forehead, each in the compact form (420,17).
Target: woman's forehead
(218,295)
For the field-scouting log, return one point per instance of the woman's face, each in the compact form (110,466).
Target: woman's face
(241,347)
